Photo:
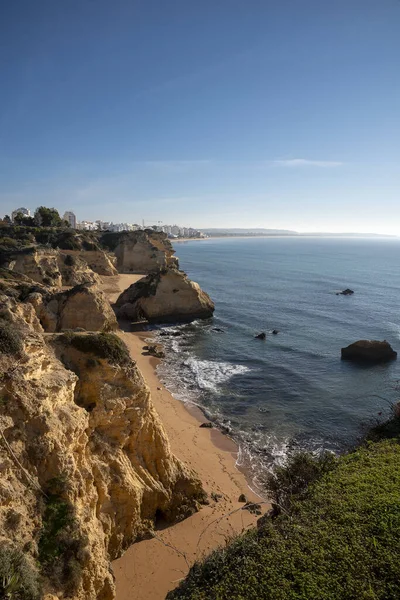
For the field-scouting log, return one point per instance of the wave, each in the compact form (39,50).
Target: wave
(209,375)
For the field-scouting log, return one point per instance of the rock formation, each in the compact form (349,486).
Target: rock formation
(57,268)
(369,351)
(84,306)
(74,270)
(39,265)
(141,251)
(98,261)
(168,295)
(85,463)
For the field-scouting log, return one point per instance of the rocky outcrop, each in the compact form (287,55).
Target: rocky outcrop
(98,261)
(143,251)
(57,268)
(165,296)
(74,270)
(39,265)
(84,306)
(369,351)
(85,464)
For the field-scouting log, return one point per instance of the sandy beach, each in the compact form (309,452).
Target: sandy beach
(150,568)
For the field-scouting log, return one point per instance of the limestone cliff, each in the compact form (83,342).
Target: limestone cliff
(84,306)
(55,268)
(168,295)
(141,251)
(85,464)
(99,261)
(39,265)
(74,270)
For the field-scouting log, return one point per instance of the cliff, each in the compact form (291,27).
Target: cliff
(57,268)
(83,306)
(85,464)
(168,295)
(140,251)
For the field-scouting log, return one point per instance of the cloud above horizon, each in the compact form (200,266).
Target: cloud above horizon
(304,162)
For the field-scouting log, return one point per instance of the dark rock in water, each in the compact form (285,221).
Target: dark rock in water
(369,351)
(176,333)
(208,425)
(218,329)
(275,331)
(261,336)
(242,498)
(163,333)
(346,292)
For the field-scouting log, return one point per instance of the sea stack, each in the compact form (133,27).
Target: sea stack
(369,352)
(166,296)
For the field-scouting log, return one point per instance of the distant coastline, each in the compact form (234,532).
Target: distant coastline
(231,235)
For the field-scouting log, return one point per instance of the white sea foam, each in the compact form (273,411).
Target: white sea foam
(209,374)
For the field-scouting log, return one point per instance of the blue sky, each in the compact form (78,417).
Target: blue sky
(235,113)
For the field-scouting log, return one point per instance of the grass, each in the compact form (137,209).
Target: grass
(101,345)
(339,542)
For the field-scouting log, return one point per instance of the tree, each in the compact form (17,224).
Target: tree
(7,219)
(21,219)
(47,217)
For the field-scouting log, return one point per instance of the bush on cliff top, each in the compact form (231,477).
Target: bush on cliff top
(102,345)
(339,543)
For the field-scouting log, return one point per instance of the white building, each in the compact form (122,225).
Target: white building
(87,226)
(71,218)
(24,211)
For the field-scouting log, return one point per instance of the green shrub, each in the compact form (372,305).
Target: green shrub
(7,242)
(10,338)
(60,543)
(18,578)
(102,345)
(290,483)
(341,542)
(69,260)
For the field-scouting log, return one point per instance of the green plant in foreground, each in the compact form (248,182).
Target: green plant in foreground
(340,542)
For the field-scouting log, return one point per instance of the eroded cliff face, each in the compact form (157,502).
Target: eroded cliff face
(144,252)
(85,464)
(99,261)
(165,296)
(84,306)
(39,265)
(57,268)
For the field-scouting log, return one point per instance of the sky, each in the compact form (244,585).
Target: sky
(212,113)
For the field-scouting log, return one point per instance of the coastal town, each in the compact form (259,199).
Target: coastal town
(24,216)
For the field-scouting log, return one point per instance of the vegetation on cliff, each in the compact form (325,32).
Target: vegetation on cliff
(336,539)
(19,580)
(101,345)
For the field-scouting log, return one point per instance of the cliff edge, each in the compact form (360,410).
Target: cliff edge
(86,467)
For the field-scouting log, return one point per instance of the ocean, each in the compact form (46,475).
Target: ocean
(292,390)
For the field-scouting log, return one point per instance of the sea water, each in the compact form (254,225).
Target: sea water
(291,390)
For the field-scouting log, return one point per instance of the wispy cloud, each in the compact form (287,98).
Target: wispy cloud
(304,162)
